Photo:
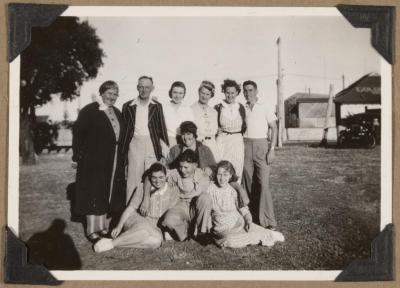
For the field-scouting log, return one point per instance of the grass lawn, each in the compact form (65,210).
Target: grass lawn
(327,204)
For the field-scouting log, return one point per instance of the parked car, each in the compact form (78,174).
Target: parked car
(362,130)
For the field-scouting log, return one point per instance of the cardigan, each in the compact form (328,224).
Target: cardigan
(206,157)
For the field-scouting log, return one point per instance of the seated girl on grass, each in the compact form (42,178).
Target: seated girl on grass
(142,231)
(231,225)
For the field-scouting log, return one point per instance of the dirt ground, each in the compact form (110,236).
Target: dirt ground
(327,203)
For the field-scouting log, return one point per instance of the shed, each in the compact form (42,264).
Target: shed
(307,110)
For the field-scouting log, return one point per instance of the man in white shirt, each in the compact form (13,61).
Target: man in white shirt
(259,154)
(145,129)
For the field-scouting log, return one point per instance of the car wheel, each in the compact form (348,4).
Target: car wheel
(342,141)
(371,141)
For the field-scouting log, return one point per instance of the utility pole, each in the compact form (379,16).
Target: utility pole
(281,113)
(343,83)
(324,140)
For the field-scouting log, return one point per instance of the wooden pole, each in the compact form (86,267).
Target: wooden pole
(280,103)
(343,83)
(324,140)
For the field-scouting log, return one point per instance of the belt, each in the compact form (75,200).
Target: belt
(231,133)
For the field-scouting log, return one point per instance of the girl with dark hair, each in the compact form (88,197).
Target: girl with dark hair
(231,224)
(175,112)
(100,177)
(231,126)
(189,141)
(142,231)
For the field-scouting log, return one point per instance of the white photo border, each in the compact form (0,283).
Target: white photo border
(168,11)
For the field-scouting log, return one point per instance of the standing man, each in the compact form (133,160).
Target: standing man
(145,129)
(258,155)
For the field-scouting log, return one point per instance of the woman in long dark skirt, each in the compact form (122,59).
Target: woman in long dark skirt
(100,179)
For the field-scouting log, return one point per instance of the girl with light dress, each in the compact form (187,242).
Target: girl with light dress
(175,112)
(232,226)
(231,126)
(142,231)
(206,118)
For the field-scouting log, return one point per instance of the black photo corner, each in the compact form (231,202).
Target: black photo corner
(25,267)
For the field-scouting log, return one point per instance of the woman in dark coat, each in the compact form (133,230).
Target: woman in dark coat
(100,179)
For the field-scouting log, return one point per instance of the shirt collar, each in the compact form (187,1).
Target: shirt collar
(162,190)
(258,102)
(102,106)
(135,101)
(226,105)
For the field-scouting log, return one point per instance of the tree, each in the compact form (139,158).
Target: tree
(59,59)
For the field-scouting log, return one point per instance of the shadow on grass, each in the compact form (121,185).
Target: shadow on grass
(54,249)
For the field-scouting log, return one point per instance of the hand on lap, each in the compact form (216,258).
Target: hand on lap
(247,220)
(115,232)
(144,207)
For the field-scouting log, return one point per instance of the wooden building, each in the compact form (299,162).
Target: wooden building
(308,110)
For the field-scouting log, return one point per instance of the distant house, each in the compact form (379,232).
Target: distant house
(362,95)
(308,110)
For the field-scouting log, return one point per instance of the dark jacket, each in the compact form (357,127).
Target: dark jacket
(242,112)
(206,157)
(93,147)
(156,124)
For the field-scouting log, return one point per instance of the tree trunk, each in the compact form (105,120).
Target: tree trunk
(27,150)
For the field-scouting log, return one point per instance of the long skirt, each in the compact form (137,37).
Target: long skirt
(236,236)
(212,144)
(97,223)
(231,148)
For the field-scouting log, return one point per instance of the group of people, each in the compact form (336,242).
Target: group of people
(173,171)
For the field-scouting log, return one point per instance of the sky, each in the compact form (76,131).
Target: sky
(315,52)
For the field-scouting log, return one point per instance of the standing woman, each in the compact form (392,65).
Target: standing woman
(175,112)
(231,126)
(100,179)
(206,118)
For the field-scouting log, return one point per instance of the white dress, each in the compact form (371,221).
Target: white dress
(174,115)
(228,222)
(230,140)
(206,120)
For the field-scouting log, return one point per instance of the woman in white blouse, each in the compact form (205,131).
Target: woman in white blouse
(231,126)
(206,118)
(175,112)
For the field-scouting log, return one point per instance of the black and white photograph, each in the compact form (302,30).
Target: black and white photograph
(199,143)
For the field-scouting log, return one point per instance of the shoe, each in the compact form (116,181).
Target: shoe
(103,245)
(270,227)
(204,239)
(94,237)
(103,233)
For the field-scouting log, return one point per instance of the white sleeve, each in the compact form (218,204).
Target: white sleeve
(270,114)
